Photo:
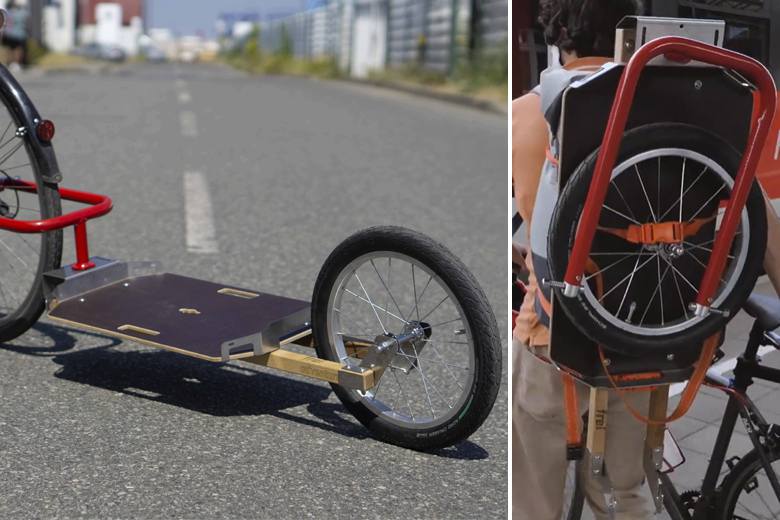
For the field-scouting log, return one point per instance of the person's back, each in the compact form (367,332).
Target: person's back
(584,32)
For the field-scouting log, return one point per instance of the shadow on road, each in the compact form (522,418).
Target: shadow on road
(221,390)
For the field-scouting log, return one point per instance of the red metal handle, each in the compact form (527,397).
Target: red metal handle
(677,49)
(99,205)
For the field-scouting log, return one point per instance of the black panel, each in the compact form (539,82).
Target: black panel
(665,94)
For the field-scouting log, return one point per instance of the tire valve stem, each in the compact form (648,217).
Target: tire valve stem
(460,332)
(631,310)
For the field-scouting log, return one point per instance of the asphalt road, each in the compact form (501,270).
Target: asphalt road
(97,428)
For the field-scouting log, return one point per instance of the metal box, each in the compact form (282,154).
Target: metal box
(635,31)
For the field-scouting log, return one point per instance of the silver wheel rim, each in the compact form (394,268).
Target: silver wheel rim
(365,296)
(734,265)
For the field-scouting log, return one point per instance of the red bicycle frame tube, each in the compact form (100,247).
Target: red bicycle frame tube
(99,205)
(680,50)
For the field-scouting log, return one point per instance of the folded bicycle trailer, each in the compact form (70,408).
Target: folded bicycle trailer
(659,230)
(434,336)
(397,324)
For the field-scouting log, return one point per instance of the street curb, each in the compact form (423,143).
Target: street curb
(449,97)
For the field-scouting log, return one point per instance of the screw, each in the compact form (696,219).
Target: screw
(607,362)
(698,84)
(670,357)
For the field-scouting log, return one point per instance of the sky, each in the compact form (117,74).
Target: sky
(193,16)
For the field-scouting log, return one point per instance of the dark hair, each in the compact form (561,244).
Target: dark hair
(584,26)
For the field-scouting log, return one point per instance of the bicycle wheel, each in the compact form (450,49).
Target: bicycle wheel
(746,492)
(441,388)
(638,290)
(23,257)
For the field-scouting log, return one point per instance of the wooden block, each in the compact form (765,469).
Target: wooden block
(659,400)
(597,421)
(313,367)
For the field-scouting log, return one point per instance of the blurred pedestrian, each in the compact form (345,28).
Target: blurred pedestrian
(15,34)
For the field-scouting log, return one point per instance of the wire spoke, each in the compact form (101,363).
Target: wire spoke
(661,278)
(616,212)
(12,252)
(436,307)
(403,394)
(641,183)
(628,206)
(624,279)
(425,384)
(11,152)
(613,264)
(444,323)
(684,193)
(385,285)
(701,208)
(374,307)
(628,287)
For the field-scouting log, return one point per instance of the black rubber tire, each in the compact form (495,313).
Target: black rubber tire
(736,479)
(478,313)
(26,315)
(567,215)
(32,305)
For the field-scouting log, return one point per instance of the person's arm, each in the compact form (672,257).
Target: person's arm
(529,142)
(772,256)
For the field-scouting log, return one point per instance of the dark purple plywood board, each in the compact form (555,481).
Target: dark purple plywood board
(154,302)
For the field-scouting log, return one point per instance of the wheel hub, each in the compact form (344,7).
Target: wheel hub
(414,336)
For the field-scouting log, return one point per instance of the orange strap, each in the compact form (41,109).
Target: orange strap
(659,232)
(688,395)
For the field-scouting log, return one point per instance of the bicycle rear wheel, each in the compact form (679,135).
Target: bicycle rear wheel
(746,493)
(23,257)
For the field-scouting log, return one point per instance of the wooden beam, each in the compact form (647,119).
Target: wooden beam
(314,367)
(597,426)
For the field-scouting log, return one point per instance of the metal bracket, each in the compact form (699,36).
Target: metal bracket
(66,283)
(271,338)
(256,340)
(381,353)
(569,290)
(596,464)
(351,376)
(703,311)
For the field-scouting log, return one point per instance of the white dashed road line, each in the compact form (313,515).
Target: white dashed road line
(189,124)
(184,97)
(199,216)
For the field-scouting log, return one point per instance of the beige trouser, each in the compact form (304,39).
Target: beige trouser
(539,462)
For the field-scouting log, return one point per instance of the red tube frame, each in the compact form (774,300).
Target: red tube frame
(99,205)
(680,50)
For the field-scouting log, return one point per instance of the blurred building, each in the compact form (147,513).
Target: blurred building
(112,23)
(752,27)
(59,25)
(367,35)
